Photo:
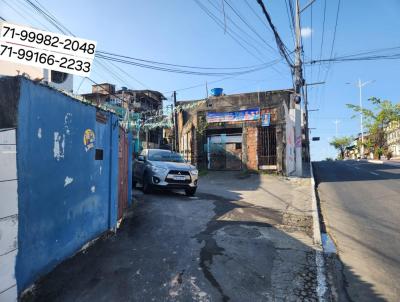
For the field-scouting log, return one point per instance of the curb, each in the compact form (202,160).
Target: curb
(314,209)
(375,161)
(322,282)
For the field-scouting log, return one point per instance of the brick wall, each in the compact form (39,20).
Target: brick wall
(251,148)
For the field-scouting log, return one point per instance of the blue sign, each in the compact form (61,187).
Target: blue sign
(235,116)
(265,119)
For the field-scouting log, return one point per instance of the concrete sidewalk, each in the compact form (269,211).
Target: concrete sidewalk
(243,237)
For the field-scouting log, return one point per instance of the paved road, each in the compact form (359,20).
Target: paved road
(361,207)
(238,239)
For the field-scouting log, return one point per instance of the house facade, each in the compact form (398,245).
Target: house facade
(248,131)
(392,132)
(146,102)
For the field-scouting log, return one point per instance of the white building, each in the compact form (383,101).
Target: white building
(56,79)
(393,138)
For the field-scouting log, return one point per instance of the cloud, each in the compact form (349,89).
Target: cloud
(306,32)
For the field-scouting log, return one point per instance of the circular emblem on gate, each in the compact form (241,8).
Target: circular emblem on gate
(88,139)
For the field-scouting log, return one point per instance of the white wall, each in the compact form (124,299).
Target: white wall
(14,69)
(290,141)
(8,215)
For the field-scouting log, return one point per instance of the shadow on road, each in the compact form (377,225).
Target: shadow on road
(351,211)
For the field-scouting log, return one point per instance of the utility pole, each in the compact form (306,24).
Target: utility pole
(360,86)
(299,82)
(176,139)
(361,118)
(306,111)
(336,123)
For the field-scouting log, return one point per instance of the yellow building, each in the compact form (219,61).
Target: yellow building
(393,138)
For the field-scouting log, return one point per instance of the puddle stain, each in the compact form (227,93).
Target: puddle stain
(328,244)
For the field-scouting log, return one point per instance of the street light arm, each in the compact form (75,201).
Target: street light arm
(366,83)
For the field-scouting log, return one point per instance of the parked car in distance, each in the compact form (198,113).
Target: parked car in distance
(164,169)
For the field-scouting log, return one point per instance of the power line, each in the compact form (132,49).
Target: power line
(42,10)
(230,33)
(365,58)
(177,65)
(290,19)
(334,32)
(281,46)
(246,34)
(270,64)
(334,38)
(362,56)
(176,70)
(248,25)
(255,13)
(322,38)
(63,29)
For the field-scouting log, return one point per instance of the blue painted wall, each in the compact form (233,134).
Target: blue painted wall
(130,151)
(65,197)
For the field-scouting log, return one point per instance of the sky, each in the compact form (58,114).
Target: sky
(180,32)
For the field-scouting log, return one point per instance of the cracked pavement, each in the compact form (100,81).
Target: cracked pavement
(241,238)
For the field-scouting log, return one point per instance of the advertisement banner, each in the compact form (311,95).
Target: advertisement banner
(235,116)
(265,119)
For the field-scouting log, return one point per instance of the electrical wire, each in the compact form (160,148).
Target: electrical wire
(334,32)
(270,64)
(231,33)
(248,25)
(245,34)
(291,22)
(63,29)
(176,70)
(176,65)
(281,46)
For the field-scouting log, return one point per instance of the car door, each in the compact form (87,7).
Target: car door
(140,166)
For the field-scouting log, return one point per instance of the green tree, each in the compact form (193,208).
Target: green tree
(376,120)
(340,143)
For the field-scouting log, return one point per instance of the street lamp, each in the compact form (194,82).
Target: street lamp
(360,85)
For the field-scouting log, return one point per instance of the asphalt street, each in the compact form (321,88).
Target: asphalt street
(360,204)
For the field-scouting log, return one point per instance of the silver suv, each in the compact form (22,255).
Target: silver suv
(164,169)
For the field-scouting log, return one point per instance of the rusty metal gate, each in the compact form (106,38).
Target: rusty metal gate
(267,146)
(225,152)
(123,152)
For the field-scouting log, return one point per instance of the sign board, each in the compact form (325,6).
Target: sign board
(235,116)
(29,46)
(315,138)
(265,119)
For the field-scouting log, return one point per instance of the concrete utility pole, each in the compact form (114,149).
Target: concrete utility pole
(299,82)
(360,85)
(306,111)
(336,123)
(176,139)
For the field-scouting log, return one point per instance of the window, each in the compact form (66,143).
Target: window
(98,154)
(58,77)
